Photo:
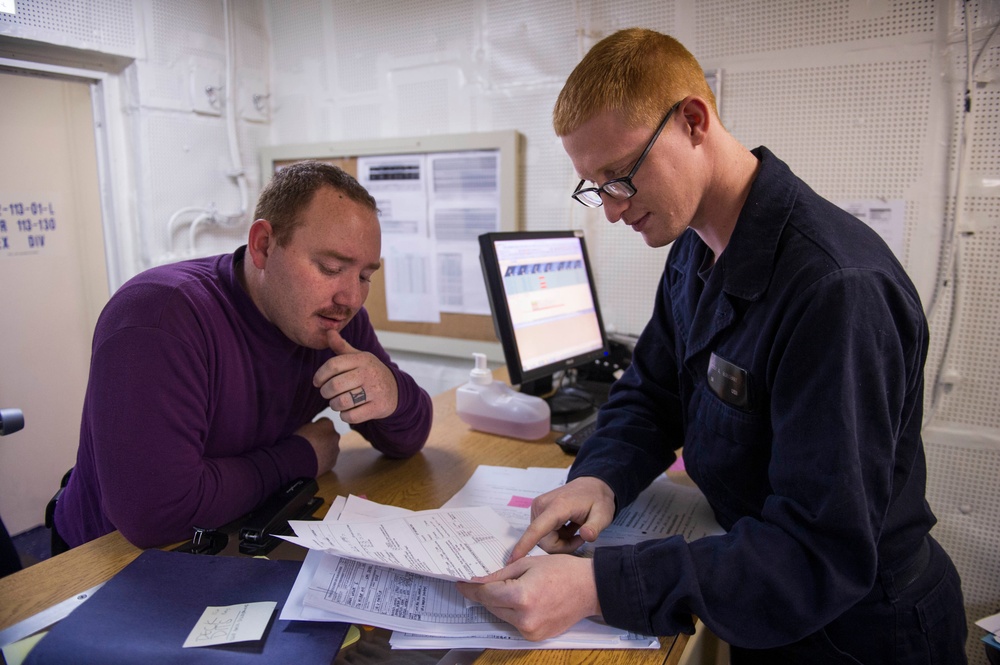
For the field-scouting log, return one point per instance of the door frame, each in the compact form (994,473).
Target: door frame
(115,155)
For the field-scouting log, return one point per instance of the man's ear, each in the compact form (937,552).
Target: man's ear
(697,118)
(260,242)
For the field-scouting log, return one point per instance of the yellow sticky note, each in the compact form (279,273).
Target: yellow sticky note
(353,635)
(15,653)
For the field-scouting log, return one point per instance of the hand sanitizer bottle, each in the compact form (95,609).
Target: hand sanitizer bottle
(493,406)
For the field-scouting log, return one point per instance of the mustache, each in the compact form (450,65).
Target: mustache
(336,312)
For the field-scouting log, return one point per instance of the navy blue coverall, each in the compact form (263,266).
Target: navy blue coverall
(806,443)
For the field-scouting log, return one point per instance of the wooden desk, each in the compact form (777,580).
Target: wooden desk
(422,482)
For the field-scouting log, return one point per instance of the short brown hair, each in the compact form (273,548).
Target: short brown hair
(292,188)
(637,72)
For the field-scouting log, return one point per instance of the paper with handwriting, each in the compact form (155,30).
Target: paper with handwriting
(243,622)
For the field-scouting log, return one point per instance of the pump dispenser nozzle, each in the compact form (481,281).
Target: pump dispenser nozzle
(494,407)
(481,374)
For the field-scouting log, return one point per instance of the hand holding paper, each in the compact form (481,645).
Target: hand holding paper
(334,587)
(541,596)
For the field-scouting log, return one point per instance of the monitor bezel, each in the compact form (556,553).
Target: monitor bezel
(501,311)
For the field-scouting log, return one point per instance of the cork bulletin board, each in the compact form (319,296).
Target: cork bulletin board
(457,334)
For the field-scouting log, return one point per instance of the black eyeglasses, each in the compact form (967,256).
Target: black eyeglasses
(619,188)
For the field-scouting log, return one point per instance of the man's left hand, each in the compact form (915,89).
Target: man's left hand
(359,386)
(542,596)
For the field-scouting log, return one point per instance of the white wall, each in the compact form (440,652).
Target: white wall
(863,98)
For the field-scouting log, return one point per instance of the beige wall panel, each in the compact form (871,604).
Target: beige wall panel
(53,282)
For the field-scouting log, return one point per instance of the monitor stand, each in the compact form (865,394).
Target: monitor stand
(568,404)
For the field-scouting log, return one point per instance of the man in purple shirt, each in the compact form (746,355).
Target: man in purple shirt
(207,375)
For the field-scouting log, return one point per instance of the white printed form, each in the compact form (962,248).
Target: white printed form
(334,588)
(399,185)
(507,490)
(449,544)
(366,593)
(663,509)
(464,203)
(379,596)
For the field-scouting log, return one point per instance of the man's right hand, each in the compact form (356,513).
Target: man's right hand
(563,519)
(325,440)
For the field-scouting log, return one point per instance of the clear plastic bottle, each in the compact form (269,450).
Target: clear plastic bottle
(493,406)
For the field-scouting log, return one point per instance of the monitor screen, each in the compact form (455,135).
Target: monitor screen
(544,303)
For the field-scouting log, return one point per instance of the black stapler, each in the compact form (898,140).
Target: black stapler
(296,501)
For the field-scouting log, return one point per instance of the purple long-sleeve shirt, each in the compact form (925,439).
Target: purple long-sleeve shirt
(192,403)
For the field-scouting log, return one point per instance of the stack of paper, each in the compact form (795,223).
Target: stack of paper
(388,567)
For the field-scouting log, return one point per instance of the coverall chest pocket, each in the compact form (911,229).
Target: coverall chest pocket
(727,450)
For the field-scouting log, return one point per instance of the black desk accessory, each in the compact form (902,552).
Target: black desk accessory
(257,530)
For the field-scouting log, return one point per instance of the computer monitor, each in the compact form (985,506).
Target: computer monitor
(541,292)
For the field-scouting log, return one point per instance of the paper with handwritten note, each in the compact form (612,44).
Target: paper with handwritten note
(244,622)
